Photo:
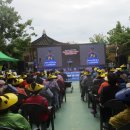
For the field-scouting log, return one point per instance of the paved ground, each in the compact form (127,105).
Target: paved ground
(74,114)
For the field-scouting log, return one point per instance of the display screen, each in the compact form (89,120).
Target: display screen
(71,56)
(92,54)
(49,57)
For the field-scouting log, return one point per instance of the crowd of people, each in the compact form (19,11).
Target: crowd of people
(45,88)
(102,85)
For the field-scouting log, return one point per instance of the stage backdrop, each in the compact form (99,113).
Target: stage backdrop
(71,56)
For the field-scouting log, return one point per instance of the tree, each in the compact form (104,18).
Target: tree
(116,34)
(14,36)
(98,38)
(120,36)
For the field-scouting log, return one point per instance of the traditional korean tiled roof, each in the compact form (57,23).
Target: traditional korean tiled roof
(45,40)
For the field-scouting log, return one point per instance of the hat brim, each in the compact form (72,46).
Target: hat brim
(9,101)
(52,77)
(37,87)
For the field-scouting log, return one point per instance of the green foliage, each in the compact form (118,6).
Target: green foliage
(120,36)
(98,38)
(116,34)
(14,36)
(118,40)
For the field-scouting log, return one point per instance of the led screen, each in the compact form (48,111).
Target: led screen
(71,56)
(49,57)
(92,54)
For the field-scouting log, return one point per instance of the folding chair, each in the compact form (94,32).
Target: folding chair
(93,98)
(32,112)
(116,105)
(107,110)
(68,84)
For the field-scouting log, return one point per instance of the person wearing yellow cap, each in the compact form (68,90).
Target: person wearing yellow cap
(9,119)
(108,93)
(61,84)
(104,84)
(84,85)
(36,98)
(53,85)
(21,91)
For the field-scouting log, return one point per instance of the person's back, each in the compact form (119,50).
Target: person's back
(104,84)
(84,85)
(14,121)
(96,83)
(8,119)
(37,99)
(109,92)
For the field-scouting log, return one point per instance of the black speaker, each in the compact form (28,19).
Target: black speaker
(21,67)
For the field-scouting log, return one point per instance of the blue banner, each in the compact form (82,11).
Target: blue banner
(49,63)
(93,61)
(73,76)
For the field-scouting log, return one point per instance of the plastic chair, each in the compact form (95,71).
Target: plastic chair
(107,110)
(115,105)
(32,112)
(68,84)
(5,128)
(93,99)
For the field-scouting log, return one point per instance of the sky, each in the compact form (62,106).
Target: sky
(73,21)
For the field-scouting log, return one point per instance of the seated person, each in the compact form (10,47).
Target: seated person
(61,85)
(45,92)
(35,98)
(109,91)
(53,85)
(122,118)
(85,86)
(9,119)
(104,84)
